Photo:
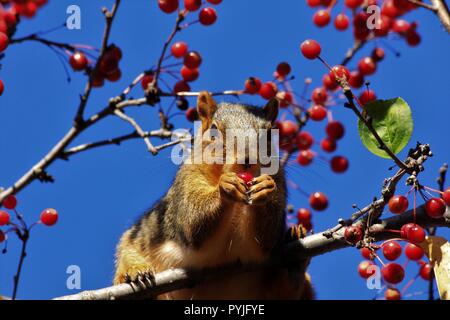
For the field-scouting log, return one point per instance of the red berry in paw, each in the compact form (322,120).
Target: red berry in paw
(446,196)
(317,112)
(321,18)
(304,140)
(341,22)
(329,83)
(356,79)
(181,86)
(192,5)
(246,177)
(393,273)
(339,164)
(49,217)
(168,6)
(339,72)
(318,201)
(192,60)
(2,236)
(353,234)
(189,75)
(179,49)
(319,95)
(10,202)
(435,208)
(366,269)
(413,252)
(305,157)
(207,16)
(283,69)
(328,145)
(4,41)
(367,253)
(335,130)
(310,49)
(146,80)
(287,128)
(268,90)
(398,204)
(78,61)
(392,294)
(426,272)
(4,218)
(191,114)
(252,85)
(367,96)
(392,250)
(2,87)
(415,234)
(367,66)
(352,4)
(304,215)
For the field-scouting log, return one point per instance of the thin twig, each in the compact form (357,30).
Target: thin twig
(358,45)
(423,5)
(24,237)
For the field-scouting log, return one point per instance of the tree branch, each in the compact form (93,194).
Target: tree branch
(442,12)
(310,246)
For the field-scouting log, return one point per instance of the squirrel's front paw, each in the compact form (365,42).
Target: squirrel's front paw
(263,187)
(232,187)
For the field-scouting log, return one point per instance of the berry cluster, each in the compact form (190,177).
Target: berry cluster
(390,20)
(206,16)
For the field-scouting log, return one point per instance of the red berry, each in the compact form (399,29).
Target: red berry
(367,253)
(313,3)
(339,164)
(304,140)
(413,252)
(304,215)
(192,5)
(329,83)
(268,90)
(341,22)
(310,49)
(191,114)
(366,269)
(305,157)
(321,18)
(356,79)
(398,204)
(415,234)
(192,60)
(252,85)
(207,16)
(352,4)
(404,230)
(435,208)
(189,75)
(287,128)
(4,41)
(389,9)
(367,96)
(426,271)
(179,49)
(283,69)
(98,80)
(4,218)
(49,217)
(393,273)
(2,87)
(2,236)
(392,250)
(10,202)
(367,66)
(328,145)
(168,6)
(115,52)
(114,75)
(353,234)
(317,112)
(446,196)
(383,26)
(146,80)
(392,294)
(400,26)
(285,98)
(78,61)
(181,86)
(412,38)
(318,201)
(10,18)
(246,177)
(214,1)
(339,72)
(319,95)
(335,130)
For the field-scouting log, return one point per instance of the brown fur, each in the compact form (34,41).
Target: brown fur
(203,221)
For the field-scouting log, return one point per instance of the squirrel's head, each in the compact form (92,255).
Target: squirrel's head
(238,134)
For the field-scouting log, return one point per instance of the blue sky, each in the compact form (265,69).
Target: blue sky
(100,193)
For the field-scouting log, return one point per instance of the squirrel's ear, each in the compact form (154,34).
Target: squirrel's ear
(206,106)
(271,110)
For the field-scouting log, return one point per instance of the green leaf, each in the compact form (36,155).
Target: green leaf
(393,122)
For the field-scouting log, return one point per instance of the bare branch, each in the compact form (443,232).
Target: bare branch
(358,45)
(442,12)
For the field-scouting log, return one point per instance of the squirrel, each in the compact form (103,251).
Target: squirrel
(210,217)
